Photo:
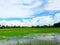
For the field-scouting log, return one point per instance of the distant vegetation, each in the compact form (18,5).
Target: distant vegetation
(44,26)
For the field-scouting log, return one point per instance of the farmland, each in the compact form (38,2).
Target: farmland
(28,36)
(25,31)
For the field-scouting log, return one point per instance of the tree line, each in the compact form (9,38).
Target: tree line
(44,26)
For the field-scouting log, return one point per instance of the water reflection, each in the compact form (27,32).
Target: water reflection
(34,39)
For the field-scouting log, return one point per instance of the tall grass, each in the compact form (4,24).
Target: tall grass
(39,43)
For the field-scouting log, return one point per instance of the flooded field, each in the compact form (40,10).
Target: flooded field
(33,39)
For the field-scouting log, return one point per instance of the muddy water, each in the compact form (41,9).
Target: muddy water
(34,39)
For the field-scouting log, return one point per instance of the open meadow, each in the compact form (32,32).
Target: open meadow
(25,31)
(29,36)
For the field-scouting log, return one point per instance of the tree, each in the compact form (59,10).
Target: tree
(57,24)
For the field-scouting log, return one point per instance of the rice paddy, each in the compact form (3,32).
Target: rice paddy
(30,36)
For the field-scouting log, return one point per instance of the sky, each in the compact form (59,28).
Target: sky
(29,12)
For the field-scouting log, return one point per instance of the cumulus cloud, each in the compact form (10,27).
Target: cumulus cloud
(57,18)
(18,8)
(29,9)
(11,23)
(42,20)
(53,5)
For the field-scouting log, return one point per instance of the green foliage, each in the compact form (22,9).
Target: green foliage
(57,24)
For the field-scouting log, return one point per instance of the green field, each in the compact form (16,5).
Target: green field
(25,31)
(7,33)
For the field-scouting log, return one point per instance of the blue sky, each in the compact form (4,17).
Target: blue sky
(29,12)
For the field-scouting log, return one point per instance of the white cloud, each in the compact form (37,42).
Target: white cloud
(16,8)
(10,23)
(43,20)
(57,18)
(53,5)
(27,8)
(27,1)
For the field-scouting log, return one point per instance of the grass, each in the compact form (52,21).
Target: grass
(40,43)
(20,32)
(25,31)
(6,33)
